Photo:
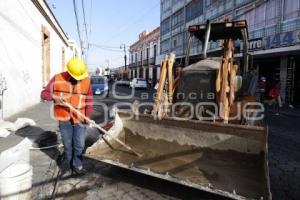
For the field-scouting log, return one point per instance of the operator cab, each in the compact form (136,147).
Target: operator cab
(198,80)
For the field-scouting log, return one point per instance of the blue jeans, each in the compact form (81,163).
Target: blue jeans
(73,137)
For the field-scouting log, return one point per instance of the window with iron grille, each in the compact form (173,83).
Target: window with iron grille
(272,14)
(291,9)
(209,2)
(165,5)
(165,46)
(178,19)
(194,9)
(177,41)
(165,26)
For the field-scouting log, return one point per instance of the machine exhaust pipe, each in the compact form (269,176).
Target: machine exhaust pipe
(206,39)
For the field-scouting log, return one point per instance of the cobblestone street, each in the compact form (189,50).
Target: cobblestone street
(104,181)
(284,155)
(151,100)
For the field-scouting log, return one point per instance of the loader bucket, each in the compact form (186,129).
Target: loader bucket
(227,160)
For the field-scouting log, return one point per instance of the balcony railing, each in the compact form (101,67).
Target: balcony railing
(139,63)
(152,61)
(132,65)
(272,27)
(145,62)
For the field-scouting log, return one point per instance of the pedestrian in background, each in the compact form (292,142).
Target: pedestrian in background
(262,89)
(276,97)
(74,88)
(150,82)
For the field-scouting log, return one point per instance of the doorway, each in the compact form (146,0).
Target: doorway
(141,75)
(45,55)
(296,88)
(147,74)
(270,69)
(154,74)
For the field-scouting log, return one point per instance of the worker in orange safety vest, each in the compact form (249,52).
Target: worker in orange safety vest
(73,87)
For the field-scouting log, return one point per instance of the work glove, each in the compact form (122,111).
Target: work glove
(91,124)
(58,100)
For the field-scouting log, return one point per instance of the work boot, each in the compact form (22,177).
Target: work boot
(64,166)
(79,171)
(65,173)
(65,170)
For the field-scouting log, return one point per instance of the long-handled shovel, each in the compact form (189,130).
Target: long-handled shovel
(100,128)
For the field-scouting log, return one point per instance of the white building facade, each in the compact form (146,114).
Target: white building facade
(33,48)
(143,55)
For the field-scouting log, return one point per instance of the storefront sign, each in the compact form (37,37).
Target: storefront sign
(274,41)
(283,39)
(255,44)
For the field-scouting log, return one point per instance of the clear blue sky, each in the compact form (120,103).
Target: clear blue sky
(109,23)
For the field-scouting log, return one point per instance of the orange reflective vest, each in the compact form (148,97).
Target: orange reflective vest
(73,94)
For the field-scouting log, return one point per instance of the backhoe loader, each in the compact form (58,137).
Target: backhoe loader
(190,137)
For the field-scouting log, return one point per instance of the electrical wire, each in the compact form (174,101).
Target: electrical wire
(84,20)
(105,48)
(138,20)
(114,48)
(85,30)
(77,25)
(90,27)
(91,10)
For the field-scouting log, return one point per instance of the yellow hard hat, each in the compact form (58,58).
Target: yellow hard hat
(77,69)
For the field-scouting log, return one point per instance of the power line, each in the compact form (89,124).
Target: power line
(91,9)
(138,20)
(105,48)
(85,30)
(77,25)
(84,19)
(111,50)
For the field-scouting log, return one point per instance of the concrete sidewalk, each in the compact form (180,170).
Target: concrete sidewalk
(43,161)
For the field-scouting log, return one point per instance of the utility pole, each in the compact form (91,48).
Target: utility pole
(125,57)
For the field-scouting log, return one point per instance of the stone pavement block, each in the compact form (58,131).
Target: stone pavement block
(284,154)
(106,182)
(124,191)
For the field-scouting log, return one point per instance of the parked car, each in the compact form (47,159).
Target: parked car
(123,81)
(138,83)
(100,85)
